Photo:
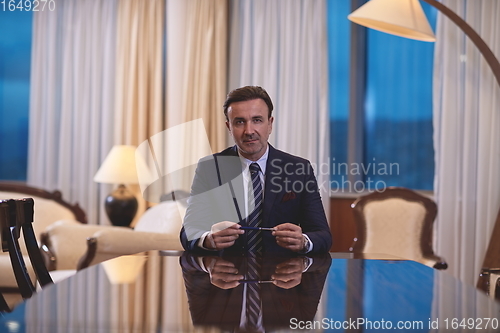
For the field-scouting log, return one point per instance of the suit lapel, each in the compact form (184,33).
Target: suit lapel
(229,170)
(274,175)
(228,164)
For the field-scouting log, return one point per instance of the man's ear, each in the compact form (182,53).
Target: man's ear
(227,125)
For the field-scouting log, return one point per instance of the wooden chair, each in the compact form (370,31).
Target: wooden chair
(397,221)
(16,216)
(50,207)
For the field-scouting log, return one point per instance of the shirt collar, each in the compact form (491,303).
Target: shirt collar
(261,161)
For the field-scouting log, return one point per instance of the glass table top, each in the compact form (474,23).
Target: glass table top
(177,292)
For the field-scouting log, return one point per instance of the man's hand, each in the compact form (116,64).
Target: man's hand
(289,273)
(289,236)
(222,273)
(222,235)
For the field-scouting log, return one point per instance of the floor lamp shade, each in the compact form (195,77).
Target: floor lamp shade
(404,18)
(119,167)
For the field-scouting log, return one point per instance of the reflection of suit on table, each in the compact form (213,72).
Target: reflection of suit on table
(290,195)
(212,306)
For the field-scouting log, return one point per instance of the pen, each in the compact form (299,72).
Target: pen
(256,281)
(256,228)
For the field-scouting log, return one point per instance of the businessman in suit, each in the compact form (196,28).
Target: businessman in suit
(251,186)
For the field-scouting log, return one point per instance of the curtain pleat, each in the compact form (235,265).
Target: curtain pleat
(466,138)
(205,67)
(139,110)
(195,89)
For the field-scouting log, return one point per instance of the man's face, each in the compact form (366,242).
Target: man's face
(250,127)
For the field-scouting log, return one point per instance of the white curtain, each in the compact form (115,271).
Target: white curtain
(196,75)
(281,45)
(139,75)
(97,77)
(205,67)
(466,137)
(71,107)
(139,71)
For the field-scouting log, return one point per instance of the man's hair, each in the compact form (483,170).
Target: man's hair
(248,93)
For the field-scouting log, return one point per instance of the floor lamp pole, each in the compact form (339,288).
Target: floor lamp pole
(472,34)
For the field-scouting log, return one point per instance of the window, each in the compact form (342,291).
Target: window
(15,60)
(398,146)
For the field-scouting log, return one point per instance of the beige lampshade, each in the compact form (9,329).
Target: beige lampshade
(119,167)
(404,18)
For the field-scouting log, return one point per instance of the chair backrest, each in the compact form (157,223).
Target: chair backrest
(397,221)
(16,216)
(50,206)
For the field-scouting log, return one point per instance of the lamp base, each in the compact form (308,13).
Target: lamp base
(121,206)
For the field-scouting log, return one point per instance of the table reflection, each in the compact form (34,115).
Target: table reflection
(218,290)
(165,292)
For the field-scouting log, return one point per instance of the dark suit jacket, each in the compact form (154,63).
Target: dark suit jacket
(290,195)
(212,306)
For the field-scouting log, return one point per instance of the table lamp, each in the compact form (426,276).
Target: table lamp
(119,167)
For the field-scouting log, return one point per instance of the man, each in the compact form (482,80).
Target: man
(252,185)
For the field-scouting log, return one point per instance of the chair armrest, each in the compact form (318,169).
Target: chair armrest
(65,242)
(111,243)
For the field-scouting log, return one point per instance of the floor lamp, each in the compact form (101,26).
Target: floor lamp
(406,18)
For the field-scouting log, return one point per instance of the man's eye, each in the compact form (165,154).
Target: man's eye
(258,120)
(239,122)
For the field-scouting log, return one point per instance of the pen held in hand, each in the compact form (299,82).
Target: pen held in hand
(256,281)
(256,228)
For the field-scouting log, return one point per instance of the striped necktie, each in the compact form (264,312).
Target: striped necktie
(253,303)
(255,218)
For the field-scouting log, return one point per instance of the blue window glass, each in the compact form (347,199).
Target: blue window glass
(15,59)
(398,110)
(338,50)
(398,148)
